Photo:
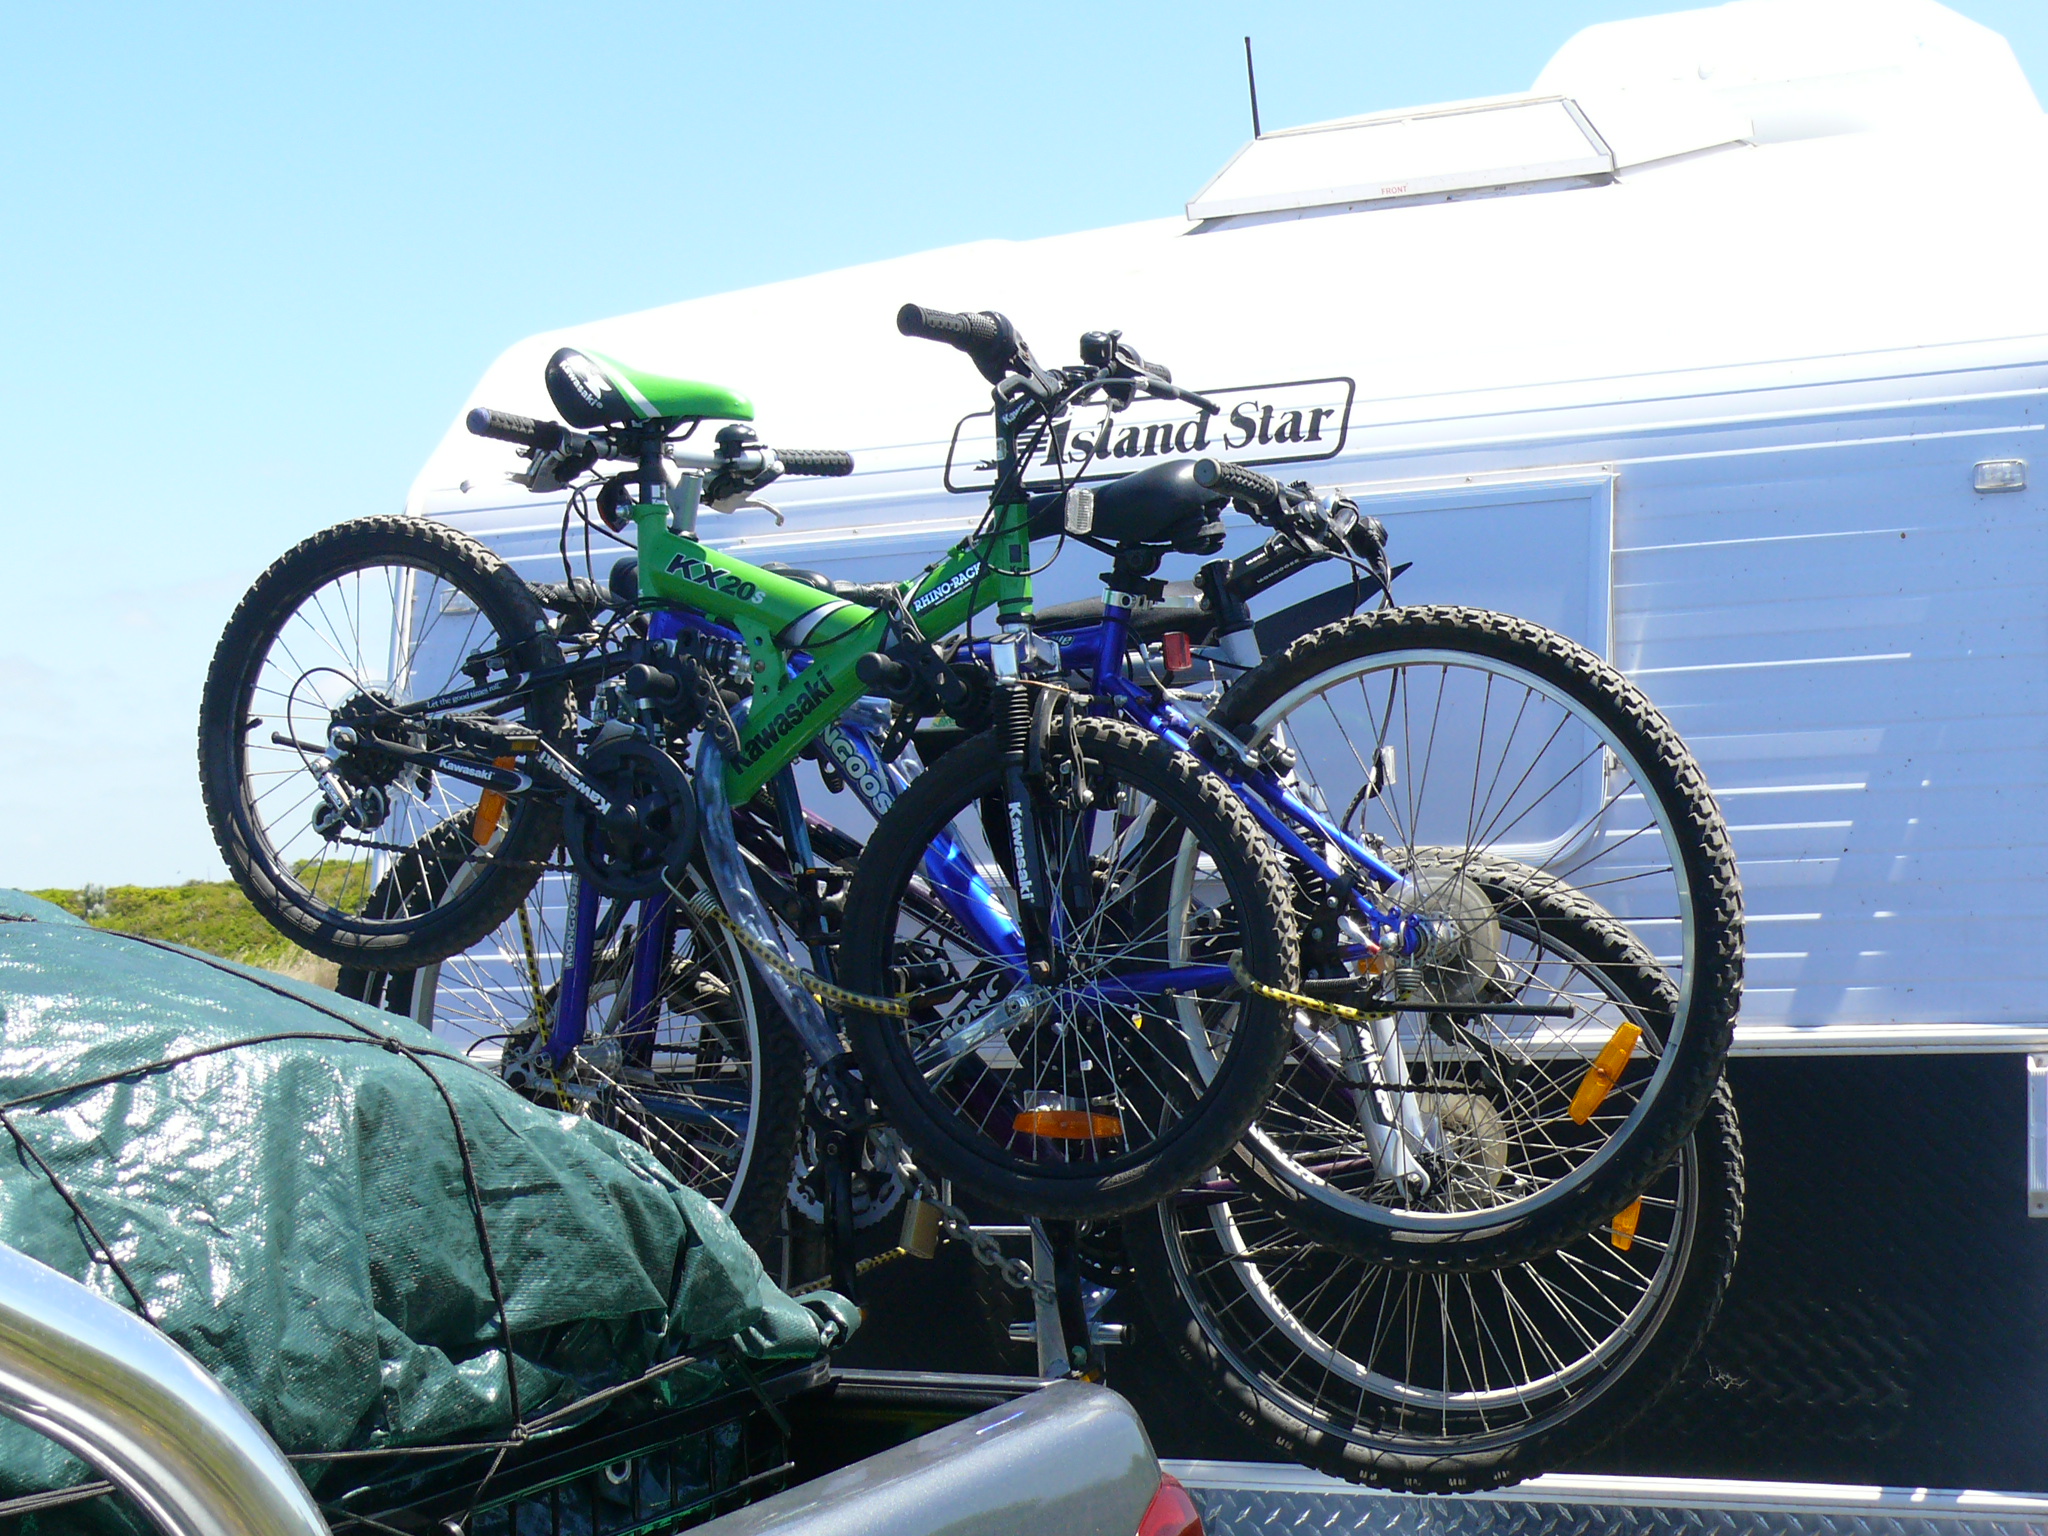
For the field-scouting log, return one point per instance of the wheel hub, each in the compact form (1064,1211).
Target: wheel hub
(366,767)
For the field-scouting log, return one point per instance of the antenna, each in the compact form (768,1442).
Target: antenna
(1252,81)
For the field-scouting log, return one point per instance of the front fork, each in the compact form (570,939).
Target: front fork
(1373,1064)
(1376,1068)
(1034,892)
(570,1026)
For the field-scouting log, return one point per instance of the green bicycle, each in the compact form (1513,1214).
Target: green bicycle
(389,694)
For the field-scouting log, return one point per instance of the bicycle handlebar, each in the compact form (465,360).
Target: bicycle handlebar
(524,430)
(577,592)
(553,437)
(1337,526)
(970,333)
(831,462)
(1247,485)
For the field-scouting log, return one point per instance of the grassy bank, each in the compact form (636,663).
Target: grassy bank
(209,915)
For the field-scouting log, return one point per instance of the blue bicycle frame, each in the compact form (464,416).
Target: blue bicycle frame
(1098,653)
(948,867)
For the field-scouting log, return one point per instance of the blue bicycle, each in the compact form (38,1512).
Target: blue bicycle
(1453,1093)
(1430,1097)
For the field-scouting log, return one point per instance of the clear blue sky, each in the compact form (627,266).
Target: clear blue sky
(253,257)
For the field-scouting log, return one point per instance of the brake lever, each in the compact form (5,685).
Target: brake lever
(552,469)
(1162,389)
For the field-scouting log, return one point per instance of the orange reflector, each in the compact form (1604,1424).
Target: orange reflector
(1069,1125)
(1177,651)
(490,805)
(1605,1072)
(1622,1231)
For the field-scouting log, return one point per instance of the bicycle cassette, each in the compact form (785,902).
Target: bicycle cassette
(648,829)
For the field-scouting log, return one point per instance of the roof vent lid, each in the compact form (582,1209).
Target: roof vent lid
(1461,147)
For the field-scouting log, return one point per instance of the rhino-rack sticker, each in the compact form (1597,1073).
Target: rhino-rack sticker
(1290,423)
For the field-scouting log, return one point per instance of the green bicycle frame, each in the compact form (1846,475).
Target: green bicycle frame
(779,619)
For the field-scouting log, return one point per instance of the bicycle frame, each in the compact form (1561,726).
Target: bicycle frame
(1098,653)
(803,646)
(778,619)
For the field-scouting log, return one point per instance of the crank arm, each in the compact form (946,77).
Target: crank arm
(558,772)
(1342,988)
(940,1056)
(483,775)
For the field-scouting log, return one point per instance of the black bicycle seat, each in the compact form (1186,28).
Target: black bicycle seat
(1161,507)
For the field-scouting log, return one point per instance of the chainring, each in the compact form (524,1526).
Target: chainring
(877,1186)
(650,830)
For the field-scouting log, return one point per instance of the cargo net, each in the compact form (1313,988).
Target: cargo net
(443,1302)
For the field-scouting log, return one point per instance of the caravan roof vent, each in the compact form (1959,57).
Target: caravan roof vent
(1461,147)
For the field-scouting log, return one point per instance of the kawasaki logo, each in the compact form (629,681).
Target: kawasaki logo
(1255,424)
(945,589)
(584,378)
(1017,841)
(785,720)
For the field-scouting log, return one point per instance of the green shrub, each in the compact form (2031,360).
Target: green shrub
(209,915)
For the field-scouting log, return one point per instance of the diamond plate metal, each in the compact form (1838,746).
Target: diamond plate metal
(1244,1499)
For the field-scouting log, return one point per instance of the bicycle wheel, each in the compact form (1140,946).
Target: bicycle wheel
(1077,1096)
(1442,1382)
(338,633)
(712,1085)
(1462,747)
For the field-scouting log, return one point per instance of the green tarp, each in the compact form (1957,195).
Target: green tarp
(287,1197)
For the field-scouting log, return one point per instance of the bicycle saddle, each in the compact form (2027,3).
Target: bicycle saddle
(1157,506)
(592,391)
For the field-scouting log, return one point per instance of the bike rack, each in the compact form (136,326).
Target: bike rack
(107,1386)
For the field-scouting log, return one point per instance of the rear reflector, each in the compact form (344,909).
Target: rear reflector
(1171,1512)
(1177,651)
(1069,1125)
(490,805)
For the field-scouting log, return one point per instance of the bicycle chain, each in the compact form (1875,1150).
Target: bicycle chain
(1299,1000)
(706,907)
(953,1222)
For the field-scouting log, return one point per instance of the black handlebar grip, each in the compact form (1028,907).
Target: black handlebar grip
(506,427)
(886,675)
(967,332)
(1241,484)
(645,682)
(815,461)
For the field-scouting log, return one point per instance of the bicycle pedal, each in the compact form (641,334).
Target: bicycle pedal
(1105,1334)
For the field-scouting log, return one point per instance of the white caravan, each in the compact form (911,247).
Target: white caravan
(1724,350)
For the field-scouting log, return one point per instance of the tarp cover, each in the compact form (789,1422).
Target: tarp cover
(296,1212)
